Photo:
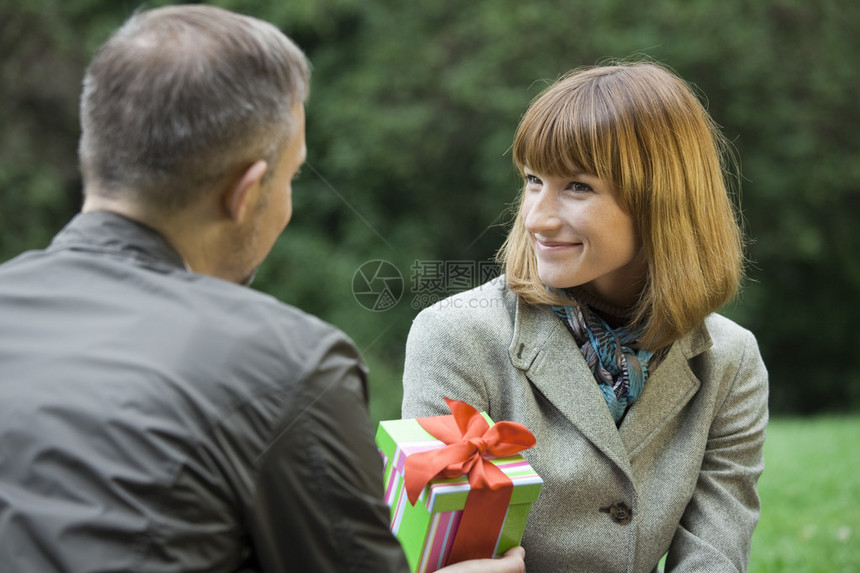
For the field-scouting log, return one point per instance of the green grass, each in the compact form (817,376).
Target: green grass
(810,493)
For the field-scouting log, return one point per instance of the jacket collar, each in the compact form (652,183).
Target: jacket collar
(544,349)
(107,232)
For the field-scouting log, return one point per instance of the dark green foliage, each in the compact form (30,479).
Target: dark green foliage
(411,116)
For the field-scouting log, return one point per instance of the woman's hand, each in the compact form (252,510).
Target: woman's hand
(511,562)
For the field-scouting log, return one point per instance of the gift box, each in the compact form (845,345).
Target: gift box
(430,530)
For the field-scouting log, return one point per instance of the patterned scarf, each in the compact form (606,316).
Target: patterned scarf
(619,368)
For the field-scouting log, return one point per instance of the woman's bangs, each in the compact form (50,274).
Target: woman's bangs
(555,139)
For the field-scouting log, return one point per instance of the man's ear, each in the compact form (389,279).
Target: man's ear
(238,196)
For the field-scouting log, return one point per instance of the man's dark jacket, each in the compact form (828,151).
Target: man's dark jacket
(153,419)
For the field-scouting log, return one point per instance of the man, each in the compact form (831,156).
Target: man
(155,415)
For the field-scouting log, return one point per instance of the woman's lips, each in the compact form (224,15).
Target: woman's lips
(551,246)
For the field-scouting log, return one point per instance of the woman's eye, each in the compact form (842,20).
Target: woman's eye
(580,187)
(532,180)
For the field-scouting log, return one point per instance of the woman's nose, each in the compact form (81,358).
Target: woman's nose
(540,212)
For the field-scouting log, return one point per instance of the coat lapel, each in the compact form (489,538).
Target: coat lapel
(545,350)
(668,389)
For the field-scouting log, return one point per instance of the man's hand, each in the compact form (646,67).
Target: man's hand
(511,562)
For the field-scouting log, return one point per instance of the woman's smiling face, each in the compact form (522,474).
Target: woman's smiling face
(582,237)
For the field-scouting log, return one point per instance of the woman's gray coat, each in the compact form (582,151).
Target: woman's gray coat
(678,476)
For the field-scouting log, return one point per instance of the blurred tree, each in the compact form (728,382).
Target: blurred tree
(411,117)
(44,48)
(39,74)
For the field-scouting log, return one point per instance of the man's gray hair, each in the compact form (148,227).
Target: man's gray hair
(181,96)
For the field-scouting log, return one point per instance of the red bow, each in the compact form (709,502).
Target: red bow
(470,438)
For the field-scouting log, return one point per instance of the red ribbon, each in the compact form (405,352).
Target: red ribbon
(470,438)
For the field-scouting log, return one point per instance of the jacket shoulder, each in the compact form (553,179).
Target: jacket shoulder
(484,308)
(726,333)
(248,306)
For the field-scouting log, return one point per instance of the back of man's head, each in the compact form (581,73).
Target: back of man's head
(180,97)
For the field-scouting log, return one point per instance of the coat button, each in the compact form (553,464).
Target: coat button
(620,512)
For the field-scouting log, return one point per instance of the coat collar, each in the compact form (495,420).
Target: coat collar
(108,232)
(544,349)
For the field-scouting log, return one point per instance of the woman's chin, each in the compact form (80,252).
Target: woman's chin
(556,282)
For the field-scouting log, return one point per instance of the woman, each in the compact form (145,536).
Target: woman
(649,409)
